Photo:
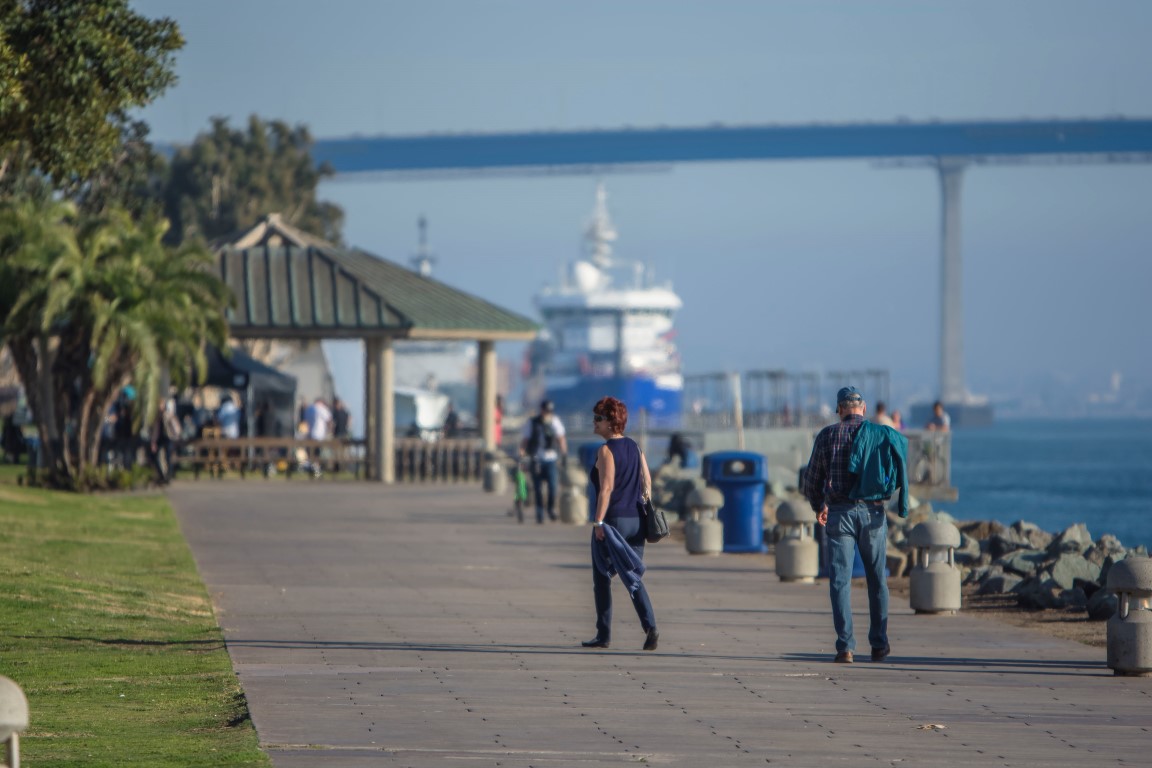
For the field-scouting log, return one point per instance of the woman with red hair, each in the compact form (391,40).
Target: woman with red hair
(622,480)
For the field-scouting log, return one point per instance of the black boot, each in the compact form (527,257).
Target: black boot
(653,637)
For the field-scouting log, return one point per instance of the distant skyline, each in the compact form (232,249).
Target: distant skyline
(797,265)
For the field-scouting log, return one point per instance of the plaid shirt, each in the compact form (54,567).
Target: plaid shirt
(827,479)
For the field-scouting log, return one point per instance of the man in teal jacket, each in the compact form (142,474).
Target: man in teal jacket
(879,461)
(850,505)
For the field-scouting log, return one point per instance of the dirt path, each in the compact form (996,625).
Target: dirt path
(1069,624)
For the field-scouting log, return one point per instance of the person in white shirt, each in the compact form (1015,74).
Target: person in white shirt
(940,421)
(228,415)
(544,442)
(881,417)
(319,418)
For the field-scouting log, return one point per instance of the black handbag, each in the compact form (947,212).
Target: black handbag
(655,524)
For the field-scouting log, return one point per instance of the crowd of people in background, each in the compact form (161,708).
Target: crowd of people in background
(180,420)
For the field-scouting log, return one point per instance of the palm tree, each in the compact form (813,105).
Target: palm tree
(116,306)
(34,234)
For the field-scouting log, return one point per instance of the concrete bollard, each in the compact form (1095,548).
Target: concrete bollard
(573,500)
(495,476)
(704,533)
(934,583)
(797,553)
(1130,628)
(13,719)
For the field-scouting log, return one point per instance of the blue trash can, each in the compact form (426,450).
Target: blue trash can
(587,455)
(741,477)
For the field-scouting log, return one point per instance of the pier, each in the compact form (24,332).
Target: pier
(421,626)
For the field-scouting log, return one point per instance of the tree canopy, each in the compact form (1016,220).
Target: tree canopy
(97,289)
(227,180)
(69,72)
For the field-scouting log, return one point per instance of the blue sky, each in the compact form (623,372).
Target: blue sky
(797,265)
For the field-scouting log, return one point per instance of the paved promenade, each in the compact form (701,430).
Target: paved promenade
(420,626)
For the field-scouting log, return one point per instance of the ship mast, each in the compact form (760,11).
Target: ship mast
(423,259)
(600,233)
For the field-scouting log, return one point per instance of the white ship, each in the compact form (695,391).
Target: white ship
(609,331)
(432,375)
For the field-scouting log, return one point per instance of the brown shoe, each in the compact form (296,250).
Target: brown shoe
(844,657)
(879,654)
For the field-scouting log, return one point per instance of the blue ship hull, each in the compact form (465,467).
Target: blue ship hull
(661,404)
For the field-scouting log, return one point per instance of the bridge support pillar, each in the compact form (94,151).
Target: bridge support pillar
(952,390)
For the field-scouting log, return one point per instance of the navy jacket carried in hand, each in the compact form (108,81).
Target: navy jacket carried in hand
(614,556)
(879,461)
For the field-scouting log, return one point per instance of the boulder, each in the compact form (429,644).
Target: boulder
(1068,567)
(1023,561)
(981,573)
(981,529)
(898,537)
(1107,545)
(1073,539)
(968,551)
(1090,587)
(1030,534)
(1073,598)
(1000,584)
(1037,593)
(1101,605)
(896,561)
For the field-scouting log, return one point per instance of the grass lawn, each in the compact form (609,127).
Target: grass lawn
(110,632)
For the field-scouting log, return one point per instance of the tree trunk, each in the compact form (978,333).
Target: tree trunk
(87,454)
(33,356)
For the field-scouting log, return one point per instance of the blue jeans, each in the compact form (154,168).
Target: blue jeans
(545,475)
(864,525)
(633,532)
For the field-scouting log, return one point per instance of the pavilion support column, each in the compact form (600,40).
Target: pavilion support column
(372,408)
(486,394)
(387,401)
(380,421)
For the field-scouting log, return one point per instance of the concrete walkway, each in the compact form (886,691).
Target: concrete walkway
(421,626)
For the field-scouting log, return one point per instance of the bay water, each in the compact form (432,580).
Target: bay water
(1056,473)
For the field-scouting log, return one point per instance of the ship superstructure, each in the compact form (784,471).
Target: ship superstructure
(609,331)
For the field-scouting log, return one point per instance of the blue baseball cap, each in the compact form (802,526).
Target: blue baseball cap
(849,395)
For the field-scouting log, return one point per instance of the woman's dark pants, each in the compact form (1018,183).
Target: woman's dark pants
(633,533)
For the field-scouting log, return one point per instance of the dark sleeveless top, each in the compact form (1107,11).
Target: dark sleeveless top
(629,485)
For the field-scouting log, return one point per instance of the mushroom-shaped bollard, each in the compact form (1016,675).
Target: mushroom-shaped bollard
(704,533)
(573,501)
(1130,628)
(797,553)
(13,719)
(495,478)
(934,583)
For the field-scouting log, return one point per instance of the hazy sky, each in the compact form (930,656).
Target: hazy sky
(797,265)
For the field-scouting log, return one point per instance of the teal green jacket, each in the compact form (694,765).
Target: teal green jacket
(879,461)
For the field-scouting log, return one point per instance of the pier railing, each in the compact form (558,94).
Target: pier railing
(417,461)
(930,464)
(462,460)
(442,461)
